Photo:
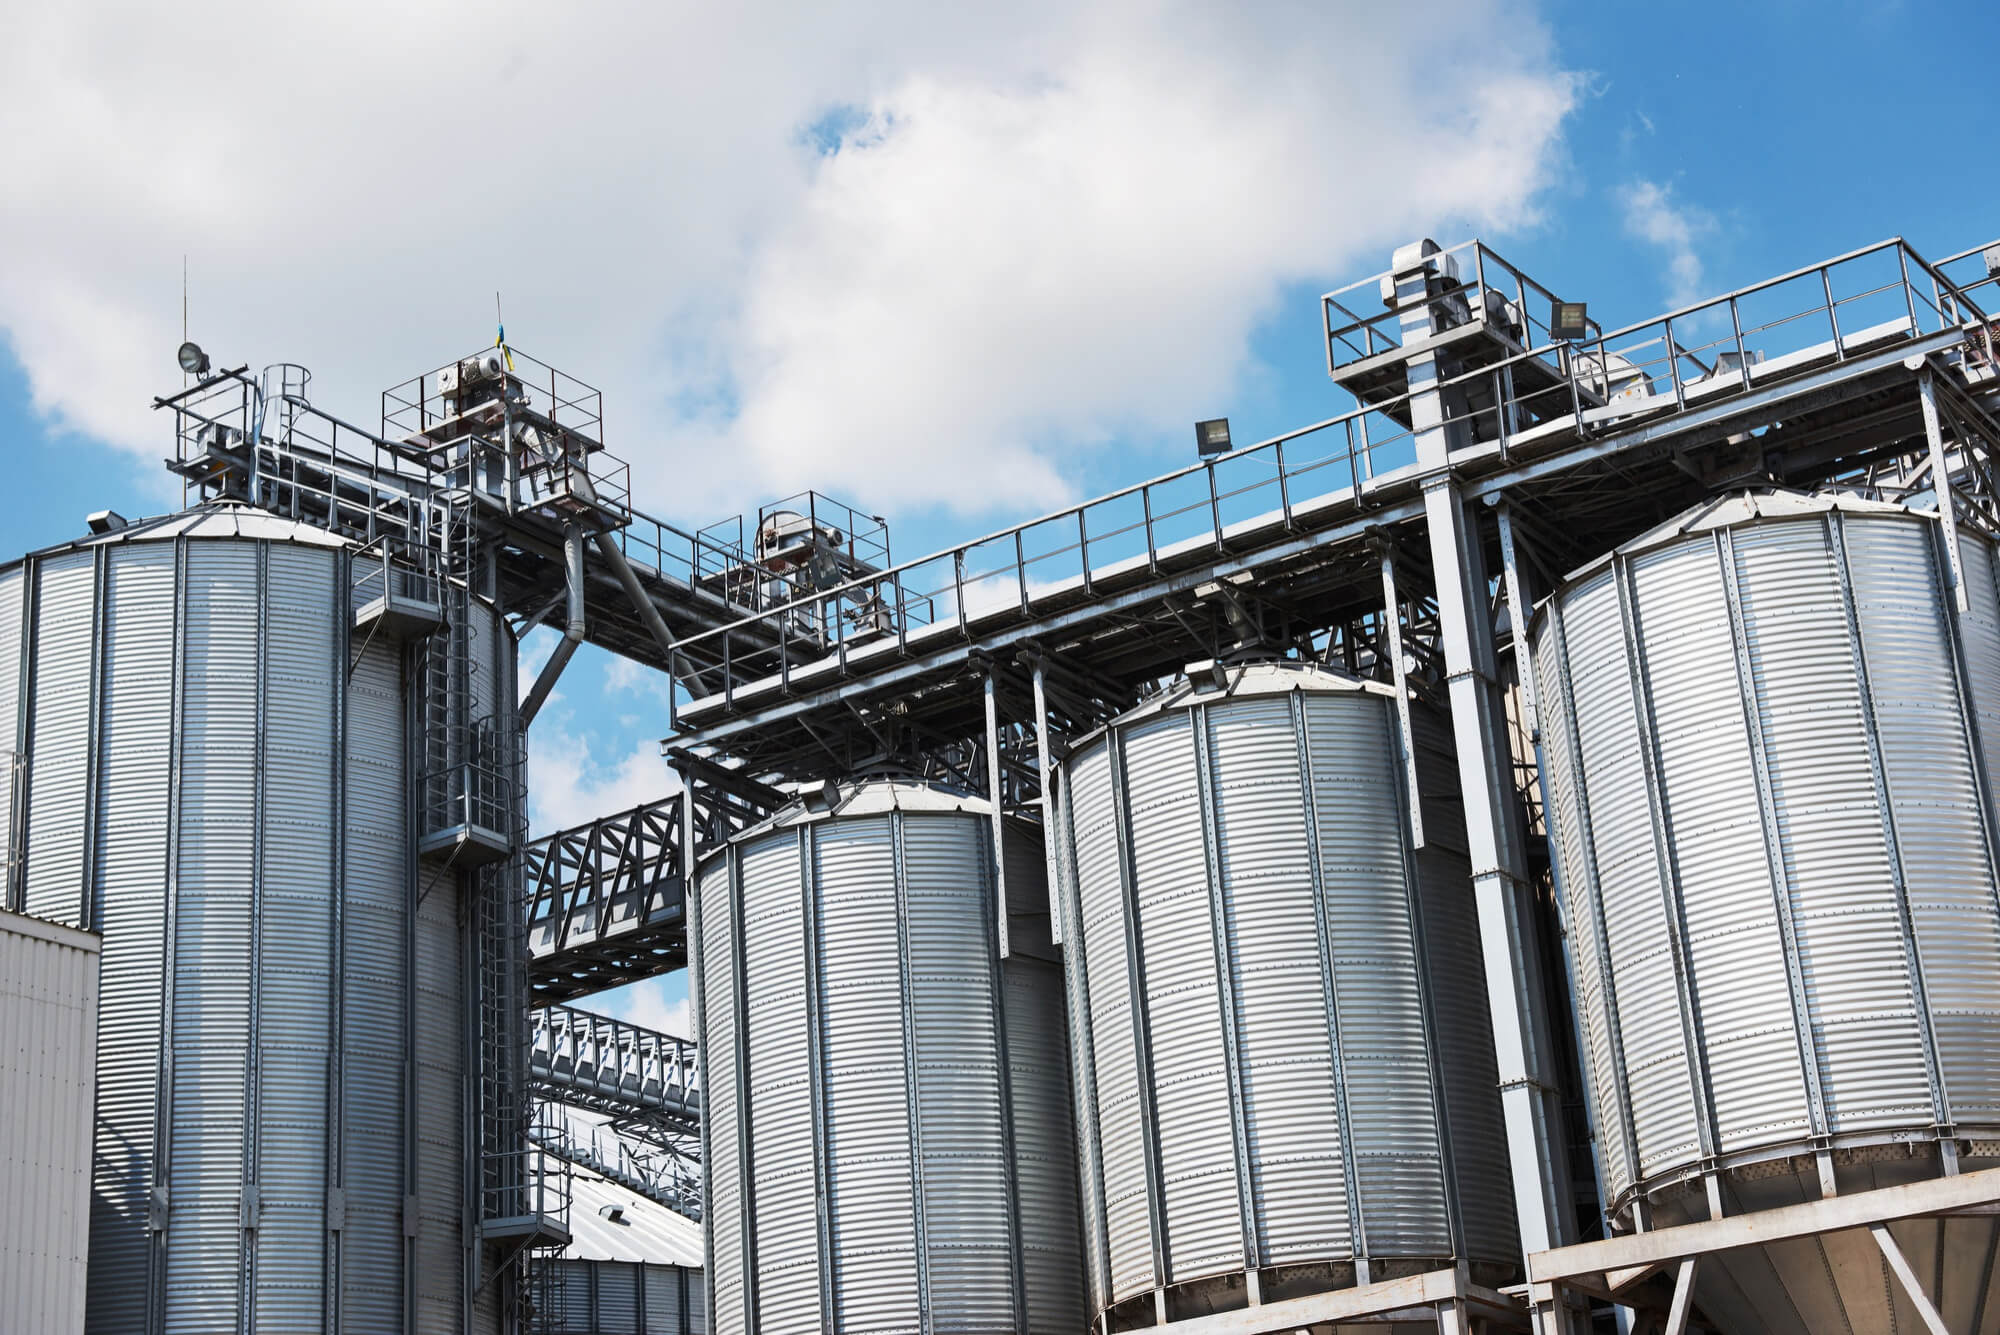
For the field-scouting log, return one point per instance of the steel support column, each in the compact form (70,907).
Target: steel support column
(1529,1098)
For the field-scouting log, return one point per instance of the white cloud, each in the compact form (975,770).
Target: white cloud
(1043,227)
(657,1003)
(1655,216)
(570,782)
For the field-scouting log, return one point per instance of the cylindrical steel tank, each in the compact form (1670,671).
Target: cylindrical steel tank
(886,1128)
(206,764)
(1283,1069)
(1769,739)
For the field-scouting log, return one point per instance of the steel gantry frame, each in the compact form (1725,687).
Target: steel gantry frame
(1402,540)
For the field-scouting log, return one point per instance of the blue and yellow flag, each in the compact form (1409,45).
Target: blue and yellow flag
(500,334)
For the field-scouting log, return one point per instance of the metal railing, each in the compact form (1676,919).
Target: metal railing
(530,1181)
(670,1177)
(1820,315)
(478,782)
(1485,289)
(392,568)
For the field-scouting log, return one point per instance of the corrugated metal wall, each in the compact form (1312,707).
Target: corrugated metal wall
(205,785)
(48,1021)
(375,1004)
(862,1041)
(628,1298)
(1768,794)
(1239,879)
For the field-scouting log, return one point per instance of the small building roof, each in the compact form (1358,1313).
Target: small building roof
(644,1230)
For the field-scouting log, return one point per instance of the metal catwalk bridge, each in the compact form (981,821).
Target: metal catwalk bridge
(607,902)
(643,1083)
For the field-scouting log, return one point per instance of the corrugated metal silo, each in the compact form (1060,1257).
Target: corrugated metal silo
(1282,1063)
(209,768)
(1769,737)
(886,1128)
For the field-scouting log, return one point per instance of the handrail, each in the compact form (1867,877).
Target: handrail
(1585,366)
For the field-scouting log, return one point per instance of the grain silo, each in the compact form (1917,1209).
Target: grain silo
(1283,1074)
(1770,733)
(886,1127)
(209,768)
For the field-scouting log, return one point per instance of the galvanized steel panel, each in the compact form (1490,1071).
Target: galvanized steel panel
(1455,976)
(134,786)
(1114,1087)
(722,1129)
(1045,1141)
(1637,937)
(1708,786)
(1866,1041)
(1944,829)
(1822,764)
(1393,1141)
(374,1001)
(58,740)
(295,979)
(1296,1142)
(968,1215)
(1192,1125)
(779,1123)
(210,982)
(440,1188)
(617,1298)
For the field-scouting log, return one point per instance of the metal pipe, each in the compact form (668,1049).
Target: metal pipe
(999,821)
(545,680)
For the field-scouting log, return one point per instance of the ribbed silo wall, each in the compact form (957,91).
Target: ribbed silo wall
(1278,1023)
(211,773)
(865,1047)
(1769,734)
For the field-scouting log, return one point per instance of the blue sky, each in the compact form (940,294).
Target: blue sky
(955,270)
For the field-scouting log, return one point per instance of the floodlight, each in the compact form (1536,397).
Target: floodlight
(1569,321)
(1212,437)
(193,360)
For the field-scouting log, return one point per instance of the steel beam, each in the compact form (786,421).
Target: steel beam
(1861,1209)
(1683,1301)
(1900,1265)
(1538,1165)
(1405,1298)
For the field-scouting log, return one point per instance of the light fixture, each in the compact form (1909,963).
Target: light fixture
(1212,437)
(193,360)
(1568,321)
